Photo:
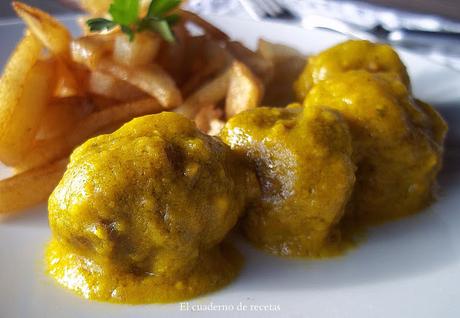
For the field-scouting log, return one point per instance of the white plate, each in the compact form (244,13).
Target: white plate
(409,268)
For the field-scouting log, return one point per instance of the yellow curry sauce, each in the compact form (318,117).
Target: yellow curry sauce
(107,282)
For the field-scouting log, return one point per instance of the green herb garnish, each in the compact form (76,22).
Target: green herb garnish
(125,13)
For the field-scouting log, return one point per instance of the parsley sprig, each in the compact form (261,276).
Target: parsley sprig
(125,13)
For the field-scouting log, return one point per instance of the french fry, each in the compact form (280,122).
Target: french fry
(200,77)
(215,126)
(25,90)
(57,148)
(206,115)
(288,64)
(101,102)
(62,114)
(110,128)
(210,93)
(54,36)
(245,90)
(113,88)
(152,79)
(262,67)
(66,82)
(209,62)
(29,188)
(89,50)
(140,51)
(213,31)
(172,57)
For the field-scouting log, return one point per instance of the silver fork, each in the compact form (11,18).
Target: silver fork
(445,43)
(268,9)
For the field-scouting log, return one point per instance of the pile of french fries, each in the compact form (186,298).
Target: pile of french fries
(56,91)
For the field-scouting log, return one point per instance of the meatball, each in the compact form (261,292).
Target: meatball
(397,142)
(144,209)
(303,162)
(347,56)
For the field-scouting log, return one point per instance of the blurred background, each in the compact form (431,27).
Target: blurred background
(427,27)
(54,6)
(446,8)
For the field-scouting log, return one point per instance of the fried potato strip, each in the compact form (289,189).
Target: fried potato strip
(25,90)
(53,149)
(29,188)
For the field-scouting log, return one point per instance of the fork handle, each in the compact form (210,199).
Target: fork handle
(445,42)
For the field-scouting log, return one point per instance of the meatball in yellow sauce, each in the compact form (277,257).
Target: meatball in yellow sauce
(397,142)
(303,161)
(348,56)
(141,213)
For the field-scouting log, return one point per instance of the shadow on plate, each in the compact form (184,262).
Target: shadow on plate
(396,251)
(449,178)
(36,217)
